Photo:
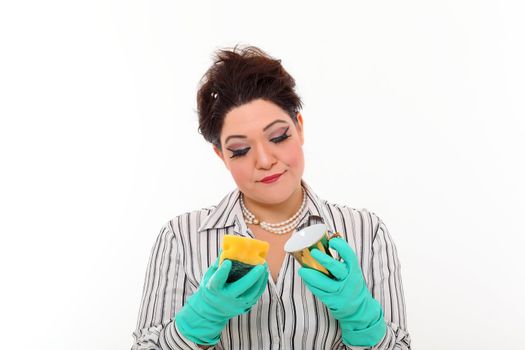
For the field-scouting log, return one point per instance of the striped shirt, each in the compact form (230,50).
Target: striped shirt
(287,316)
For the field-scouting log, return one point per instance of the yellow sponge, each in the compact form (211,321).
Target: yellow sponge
(244,249)
(244,252)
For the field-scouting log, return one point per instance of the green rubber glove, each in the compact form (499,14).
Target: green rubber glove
(208,310)
(347,297)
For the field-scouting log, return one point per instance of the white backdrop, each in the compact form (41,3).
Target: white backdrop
(98,142)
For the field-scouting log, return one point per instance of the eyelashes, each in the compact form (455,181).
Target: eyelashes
(278,139)
(240,153)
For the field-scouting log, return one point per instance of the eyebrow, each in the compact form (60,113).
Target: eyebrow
(265,128)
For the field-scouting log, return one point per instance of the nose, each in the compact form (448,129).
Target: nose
(264,157)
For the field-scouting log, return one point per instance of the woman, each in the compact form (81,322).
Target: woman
(249,111)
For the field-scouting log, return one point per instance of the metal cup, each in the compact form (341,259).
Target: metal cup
(302,242)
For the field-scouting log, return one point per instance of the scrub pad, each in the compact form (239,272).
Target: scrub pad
(244,253)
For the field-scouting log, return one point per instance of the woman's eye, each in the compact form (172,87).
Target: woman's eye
(281,138)
(240,152)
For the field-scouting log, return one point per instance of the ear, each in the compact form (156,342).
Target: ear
(219,153)
(300,128)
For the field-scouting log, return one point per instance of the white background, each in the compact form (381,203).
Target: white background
(99,148)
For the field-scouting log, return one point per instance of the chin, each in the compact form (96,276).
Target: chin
(274,195)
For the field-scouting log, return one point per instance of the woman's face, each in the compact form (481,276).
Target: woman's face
(259,139)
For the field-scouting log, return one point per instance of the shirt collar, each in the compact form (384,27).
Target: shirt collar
(229,213)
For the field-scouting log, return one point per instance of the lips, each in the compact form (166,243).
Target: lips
(271,177)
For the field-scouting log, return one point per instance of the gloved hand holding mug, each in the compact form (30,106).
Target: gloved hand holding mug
(347,297)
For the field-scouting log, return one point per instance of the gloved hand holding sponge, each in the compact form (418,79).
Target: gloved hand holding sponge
(230,287)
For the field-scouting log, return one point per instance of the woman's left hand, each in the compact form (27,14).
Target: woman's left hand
(346,296)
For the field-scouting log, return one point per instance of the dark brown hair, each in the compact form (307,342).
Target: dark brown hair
(239,76)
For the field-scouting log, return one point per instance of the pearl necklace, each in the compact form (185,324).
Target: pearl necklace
(280,227)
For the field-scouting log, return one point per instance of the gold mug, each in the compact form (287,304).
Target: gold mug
(302,242)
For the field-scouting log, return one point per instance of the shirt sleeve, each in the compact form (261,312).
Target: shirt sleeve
(163,294)
(387,288)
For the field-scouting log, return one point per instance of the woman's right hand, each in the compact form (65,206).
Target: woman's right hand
(208,310)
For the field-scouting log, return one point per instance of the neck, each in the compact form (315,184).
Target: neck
(274,213)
